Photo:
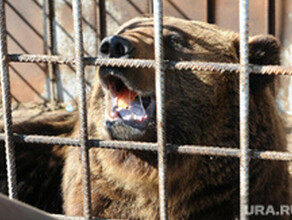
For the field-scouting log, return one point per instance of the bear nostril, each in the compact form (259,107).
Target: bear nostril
(116,46)
(119,50)
(105,48)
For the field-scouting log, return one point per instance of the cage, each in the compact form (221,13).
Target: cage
(43,57)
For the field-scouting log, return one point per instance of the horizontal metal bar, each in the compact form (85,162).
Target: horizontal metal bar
(64,217)
(129,145)
(38,139)
(142,63)
(94,61)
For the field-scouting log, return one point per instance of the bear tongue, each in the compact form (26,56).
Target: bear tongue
(134,114)
(128,105)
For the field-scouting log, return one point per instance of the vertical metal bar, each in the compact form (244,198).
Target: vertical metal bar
(271,29)
(51,51)
(270,17)
(211,11)
(150,7)
(45,38)
(160,90)
(6,100)
(82,108)
(244,108)
(102,19)
(96,25)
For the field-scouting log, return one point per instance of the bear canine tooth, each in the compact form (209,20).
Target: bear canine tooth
(142,106)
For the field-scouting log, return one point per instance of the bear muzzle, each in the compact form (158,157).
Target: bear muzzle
(126,105)
(116,47)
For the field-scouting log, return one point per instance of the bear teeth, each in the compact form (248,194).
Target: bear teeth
(135,114)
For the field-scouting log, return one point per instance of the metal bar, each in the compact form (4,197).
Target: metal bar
(51,51)
(6,100)
(44,8)
(102,20)
(78,41)
(160,109)
(270,17)
(150,7)
(244,108)
(146,146)
(142,63)
(211,11)
(64,217)
(271,29)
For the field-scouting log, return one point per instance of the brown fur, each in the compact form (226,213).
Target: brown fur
(39,167)
(202,108)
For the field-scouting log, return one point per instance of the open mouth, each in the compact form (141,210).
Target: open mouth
(127,106)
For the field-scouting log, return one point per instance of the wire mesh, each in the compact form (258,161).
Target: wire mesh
(244,69)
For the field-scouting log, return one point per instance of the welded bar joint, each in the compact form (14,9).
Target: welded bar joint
(6,101)
(78,41)
(244,108)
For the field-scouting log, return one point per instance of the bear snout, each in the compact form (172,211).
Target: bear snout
(116,47)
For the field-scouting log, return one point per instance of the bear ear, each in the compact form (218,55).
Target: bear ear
(263,50)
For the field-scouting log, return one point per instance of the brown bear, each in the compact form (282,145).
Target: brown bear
(202,108)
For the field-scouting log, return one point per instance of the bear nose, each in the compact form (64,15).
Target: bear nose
(115,47)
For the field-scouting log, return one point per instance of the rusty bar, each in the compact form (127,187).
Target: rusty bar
(270,17)
(270,27)
(64,217)
(102,19)
(40,139)
(6,101)
(51,50)
(78,41)
(146,146)
(95,27)
(160,109)
(44,8)
(244,108)
(211,11)
(142,63)
(150,7)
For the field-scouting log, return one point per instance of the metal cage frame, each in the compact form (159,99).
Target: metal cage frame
(244,68)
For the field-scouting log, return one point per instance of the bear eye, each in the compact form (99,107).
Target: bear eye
(174,41)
